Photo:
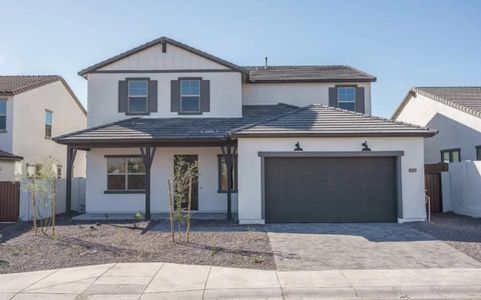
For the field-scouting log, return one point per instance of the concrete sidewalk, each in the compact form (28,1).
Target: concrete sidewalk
(174,281)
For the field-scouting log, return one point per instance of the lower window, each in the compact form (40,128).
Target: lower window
(223,173)
(451,155)
(125,174)
(478,152)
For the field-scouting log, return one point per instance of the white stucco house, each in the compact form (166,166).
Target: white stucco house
(272,143)
(33,109)
(456,113)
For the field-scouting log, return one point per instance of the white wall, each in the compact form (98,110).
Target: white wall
(29,125)
(162,168)
(457,129)
(78,200)
(250,198)
(103,99)
(6,137)
(462,188)
(153,59)
(299,94)
(7,170)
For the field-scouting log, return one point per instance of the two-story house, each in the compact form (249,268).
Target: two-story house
(273,144)
(33,109)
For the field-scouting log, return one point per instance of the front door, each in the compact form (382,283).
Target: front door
(190,159)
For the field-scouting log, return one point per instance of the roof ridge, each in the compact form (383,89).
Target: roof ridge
(92,128)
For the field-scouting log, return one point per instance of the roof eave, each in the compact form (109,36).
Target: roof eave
(313,80)
(334,134)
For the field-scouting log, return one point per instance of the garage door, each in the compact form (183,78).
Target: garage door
(324,189)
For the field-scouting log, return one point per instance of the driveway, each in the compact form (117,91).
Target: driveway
(360,247)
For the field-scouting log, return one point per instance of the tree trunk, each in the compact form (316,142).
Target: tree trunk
(54,204)
(188,208)
(34,207)
(171,217)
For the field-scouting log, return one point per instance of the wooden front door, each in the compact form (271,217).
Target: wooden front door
(190,159)
(433,190)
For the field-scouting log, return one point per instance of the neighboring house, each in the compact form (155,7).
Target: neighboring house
(273,144)
(33,109)
(456,113)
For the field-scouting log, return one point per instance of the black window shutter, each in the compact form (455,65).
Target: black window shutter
(205,95)
(360,103)
(333,97)
(153,96)
(123,96)
(175,96)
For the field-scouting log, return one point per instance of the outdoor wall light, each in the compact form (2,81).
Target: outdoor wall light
(298,147)
(365,147)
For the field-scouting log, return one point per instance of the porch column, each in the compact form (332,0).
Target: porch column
(71,153)
(148,154)
(227,154)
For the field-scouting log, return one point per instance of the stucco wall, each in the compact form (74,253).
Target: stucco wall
(299,94)
(7,170)
(162,168)
(103,99)
(29,125)
(462,188)
(250,198)
(457,129)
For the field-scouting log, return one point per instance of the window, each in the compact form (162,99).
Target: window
(137,94)
(3,114)
(48,124)
(190,96)
(223,174)
(478,152)
(125,174)
(346,98)
(451,155)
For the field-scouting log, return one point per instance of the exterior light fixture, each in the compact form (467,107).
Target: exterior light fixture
(298,147)
(365,147)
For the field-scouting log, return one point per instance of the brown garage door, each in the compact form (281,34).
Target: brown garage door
(325,189)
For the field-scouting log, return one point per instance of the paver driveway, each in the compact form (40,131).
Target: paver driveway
(360,246)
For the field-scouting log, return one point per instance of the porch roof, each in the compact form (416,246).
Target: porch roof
(4,155)
(190,130)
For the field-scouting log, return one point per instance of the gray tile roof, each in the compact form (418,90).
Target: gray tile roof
(465,98)
(4,155)
(170,129)
(16,84)
(323,121)
(263,120)
(321,73)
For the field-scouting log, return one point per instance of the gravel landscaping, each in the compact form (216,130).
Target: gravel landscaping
(88,243)
(460,232)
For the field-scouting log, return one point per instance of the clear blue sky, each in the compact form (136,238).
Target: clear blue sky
(402,43)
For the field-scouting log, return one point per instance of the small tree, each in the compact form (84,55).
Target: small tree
(41,186)
(180,201)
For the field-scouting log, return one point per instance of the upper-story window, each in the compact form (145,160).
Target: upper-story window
(189,96)
(48,124)
(451,155)
(346,98)
(3,114)
(478,152)
(137,96)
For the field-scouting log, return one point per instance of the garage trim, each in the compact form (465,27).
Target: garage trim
(396,154)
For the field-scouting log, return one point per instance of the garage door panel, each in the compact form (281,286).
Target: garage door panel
(330,189)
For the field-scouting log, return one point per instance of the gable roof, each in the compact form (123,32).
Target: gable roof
(4,155)
(173,129)
(467,99)
(161,40)
(318,120)
(11,85)
(325,73)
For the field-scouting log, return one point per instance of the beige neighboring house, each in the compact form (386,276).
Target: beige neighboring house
(456,113)
(33,109)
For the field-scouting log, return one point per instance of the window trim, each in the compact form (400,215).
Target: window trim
(355,96)
(181,112)
(450,151)
(478,149)
(3,130)
(51,124)
(139,113)
(125,190)
(220,157)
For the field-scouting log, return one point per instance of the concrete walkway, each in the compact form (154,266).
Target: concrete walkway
(174,281)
